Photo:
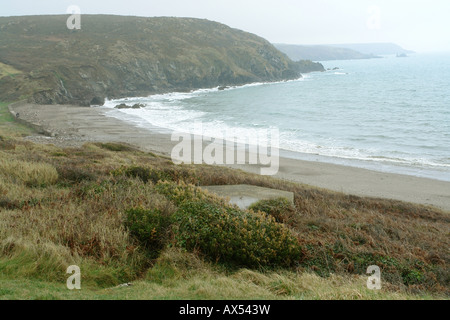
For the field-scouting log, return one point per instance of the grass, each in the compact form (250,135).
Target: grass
(5,115)
(28,173)
(8,126)
(6,70)
(62,207)
(182,276)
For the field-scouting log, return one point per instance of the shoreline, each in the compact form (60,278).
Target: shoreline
(72,126)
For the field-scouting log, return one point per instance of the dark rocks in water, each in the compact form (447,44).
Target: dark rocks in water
(402,55)
(222,88)
(336,68)
(124,106)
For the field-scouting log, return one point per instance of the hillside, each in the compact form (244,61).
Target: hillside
(320,53)
(116,56)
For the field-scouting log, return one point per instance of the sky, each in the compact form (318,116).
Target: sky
(419,25)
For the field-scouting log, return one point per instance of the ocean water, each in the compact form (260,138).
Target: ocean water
(390,114)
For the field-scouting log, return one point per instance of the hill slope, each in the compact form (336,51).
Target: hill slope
(320,52)
(115,56)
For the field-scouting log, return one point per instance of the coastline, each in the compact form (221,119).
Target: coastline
(72,126)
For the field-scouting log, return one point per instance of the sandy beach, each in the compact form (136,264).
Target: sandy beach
(69,126)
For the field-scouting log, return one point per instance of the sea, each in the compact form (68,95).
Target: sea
(390,114)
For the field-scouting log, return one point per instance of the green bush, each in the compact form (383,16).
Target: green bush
(281,209)
(230,235)
(224,233)
(149,227)
(178,193)
(411,277)
(92,190)
(138,172)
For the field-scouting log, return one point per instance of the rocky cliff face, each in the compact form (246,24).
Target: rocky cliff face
(114,56)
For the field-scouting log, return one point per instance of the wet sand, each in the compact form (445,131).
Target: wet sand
(68,126)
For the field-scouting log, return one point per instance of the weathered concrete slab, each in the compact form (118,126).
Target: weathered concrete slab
(245,195)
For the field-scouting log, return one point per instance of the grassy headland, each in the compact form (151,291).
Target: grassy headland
(123,215)
(116,56)
(321,53)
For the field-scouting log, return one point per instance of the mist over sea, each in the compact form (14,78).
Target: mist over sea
(390,114)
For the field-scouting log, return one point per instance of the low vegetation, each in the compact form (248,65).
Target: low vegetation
(233,236)
(280,209)
(9,128)
(125,216)
(8,71)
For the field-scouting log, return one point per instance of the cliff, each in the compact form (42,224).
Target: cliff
(116,56)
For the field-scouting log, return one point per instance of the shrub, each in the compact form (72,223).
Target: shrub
(411,277)
(155,175)
(75,174)
(281,209)
(7,145)
(115,147)
(149,227)
(58,154)
(178,193)
(86,189)
(145,174)
(233,236)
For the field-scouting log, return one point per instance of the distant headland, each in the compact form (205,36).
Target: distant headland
(341,51)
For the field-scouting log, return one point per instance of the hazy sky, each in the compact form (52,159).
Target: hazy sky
(415,24)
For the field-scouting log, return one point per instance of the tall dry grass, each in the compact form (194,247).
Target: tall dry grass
(28,173)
